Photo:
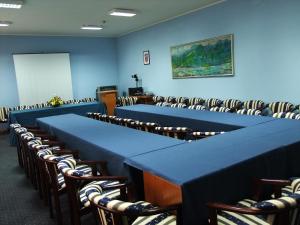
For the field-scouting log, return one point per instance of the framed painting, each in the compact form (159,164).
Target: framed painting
(146,57)
(206,58)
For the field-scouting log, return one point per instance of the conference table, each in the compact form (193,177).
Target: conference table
(194,119)
(96,140)
(28,117)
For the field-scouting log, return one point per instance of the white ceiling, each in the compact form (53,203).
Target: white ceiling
(65,17)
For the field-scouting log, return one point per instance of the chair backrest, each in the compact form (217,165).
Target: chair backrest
(157,99)
(232,104)
(144,126)
(178,105)
(4,111)
(164,104)
(197,107)
(277,107)
(196,101)
(255,112)
(288,115)
(170,99)
(219,109)
(183,100)
(254,104)
(200,134)
(213,102)
(174,132)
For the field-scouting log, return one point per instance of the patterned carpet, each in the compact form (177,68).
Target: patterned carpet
(19,201)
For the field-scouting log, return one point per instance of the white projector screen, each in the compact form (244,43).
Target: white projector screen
(41,76)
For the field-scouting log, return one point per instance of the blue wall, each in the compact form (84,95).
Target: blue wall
(266,51)
(93,62)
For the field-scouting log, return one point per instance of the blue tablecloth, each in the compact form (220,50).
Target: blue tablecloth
(195,119)
(28,117)
(221,168)
(98,140)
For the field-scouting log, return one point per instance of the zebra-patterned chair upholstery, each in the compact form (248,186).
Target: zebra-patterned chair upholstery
(254,104)
(174,132)
(201,134)
(254,112)
(277,107)
(170,99)
(144,126)
(157,99)
(4,111)
(232,104)
(183,100)
(196,101)
(219,109)
(197,107)
(118,212)
(77,182)
(213,102)
(288,115)
(163,104)
(178,105)
(123,101)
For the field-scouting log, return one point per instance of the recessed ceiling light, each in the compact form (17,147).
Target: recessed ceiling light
(5,23)
(122,12)
(91,27)
(11,4)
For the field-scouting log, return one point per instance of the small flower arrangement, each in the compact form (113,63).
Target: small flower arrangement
(55,101)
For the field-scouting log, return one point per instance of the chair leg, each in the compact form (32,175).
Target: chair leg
(50,204)
(57,208)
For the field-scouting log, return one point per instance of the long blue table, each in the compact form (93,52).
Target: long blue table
(28,117)
(195,119)
(221,168)
(104,141)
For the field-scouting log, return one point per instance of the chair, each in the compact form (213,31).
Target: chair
(254,104)
(275,211)
(144,126)
(157,99)
(288,115)
(277,107)
(232,104)
(4,111)
(178,105)
(197,107)
(121,212)
(164,104)
(174,132)
(199,135)
(220,109)
(77,182)
(213,102)
(196,101)
(183,100)
(170,99)
(255,112)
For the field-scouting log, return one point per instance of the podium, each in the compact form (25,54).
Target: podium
(109,97)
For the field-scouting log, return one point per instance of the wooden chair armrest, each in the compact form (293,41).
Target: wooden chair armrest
(273,182)
(231,208)
(98,178)
(161,209)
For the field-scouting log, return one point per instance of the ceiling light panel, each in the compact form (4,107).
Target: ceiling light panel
(91,27)
(122,12)
(11,4)
(5,23)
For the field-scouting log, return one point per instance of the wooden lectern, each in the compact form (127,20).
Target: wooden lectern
(109,99)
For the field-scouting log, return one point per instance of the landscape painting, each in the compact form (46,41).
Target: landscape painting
(206,58)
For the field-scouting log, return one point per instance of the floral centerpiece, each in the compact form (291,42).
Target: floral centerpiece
(55,101)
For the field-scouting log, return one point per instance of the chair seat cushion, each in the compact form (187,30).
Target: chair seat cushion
(232,218)
(111,194)
(159,219)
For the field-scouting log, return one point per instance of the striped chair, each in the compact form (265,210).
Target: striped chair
(232,104)
(170,99)
(178,105)
(183,100)
(254,104)
(77,181)
(277,107)
(213,102)
(254,112)
(157,99)
(197,107)
(144,126)
(164,104)
(219,109)
(288,115)
(119,212)
(4,112)
(174,132)
(196,101)
(199,135)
